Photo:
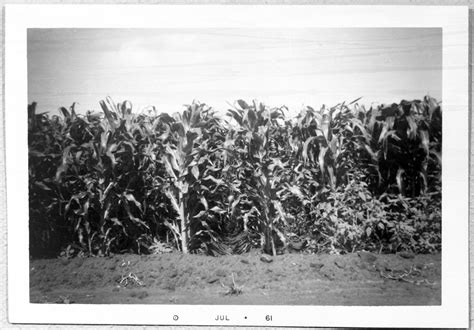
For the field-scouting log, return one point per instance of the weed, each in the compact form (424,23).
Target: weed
(233,288)
(130,280)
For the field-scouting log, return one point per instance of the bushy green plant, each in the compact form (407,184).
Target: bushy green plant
(46,137)
(101,177)
(262,171)
(415,223)
(348,219)
(189,159)
(403,144)
(351,219)
(342,179)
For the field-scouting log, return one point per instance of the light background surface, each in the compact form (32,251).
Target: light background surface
(4,323)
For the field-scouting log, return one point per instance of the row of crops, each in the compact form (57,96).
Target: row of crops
(332,180)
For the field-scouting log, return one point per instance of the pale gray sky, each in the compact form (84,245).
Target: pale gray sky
(171,67)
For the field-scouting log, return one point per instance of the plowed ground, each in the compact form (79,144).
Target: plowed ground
(290,279)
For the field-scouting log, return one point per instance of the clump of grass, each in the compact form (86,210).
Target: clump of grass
(130,279)
(233,289)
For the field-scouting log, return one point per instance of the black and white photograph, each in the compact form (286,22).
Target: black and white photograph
(239,165)
(255,192)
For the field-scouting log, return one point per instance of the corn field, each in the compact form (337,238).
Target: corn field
(333,180)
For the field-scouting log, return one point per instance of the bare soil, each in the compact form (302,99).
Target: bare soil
(290,279)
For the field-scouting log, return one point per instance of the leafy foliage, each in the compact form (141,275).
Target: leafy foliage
(339,179)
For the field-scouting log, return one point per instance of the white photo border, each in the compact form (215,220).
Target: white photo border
(454,310)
